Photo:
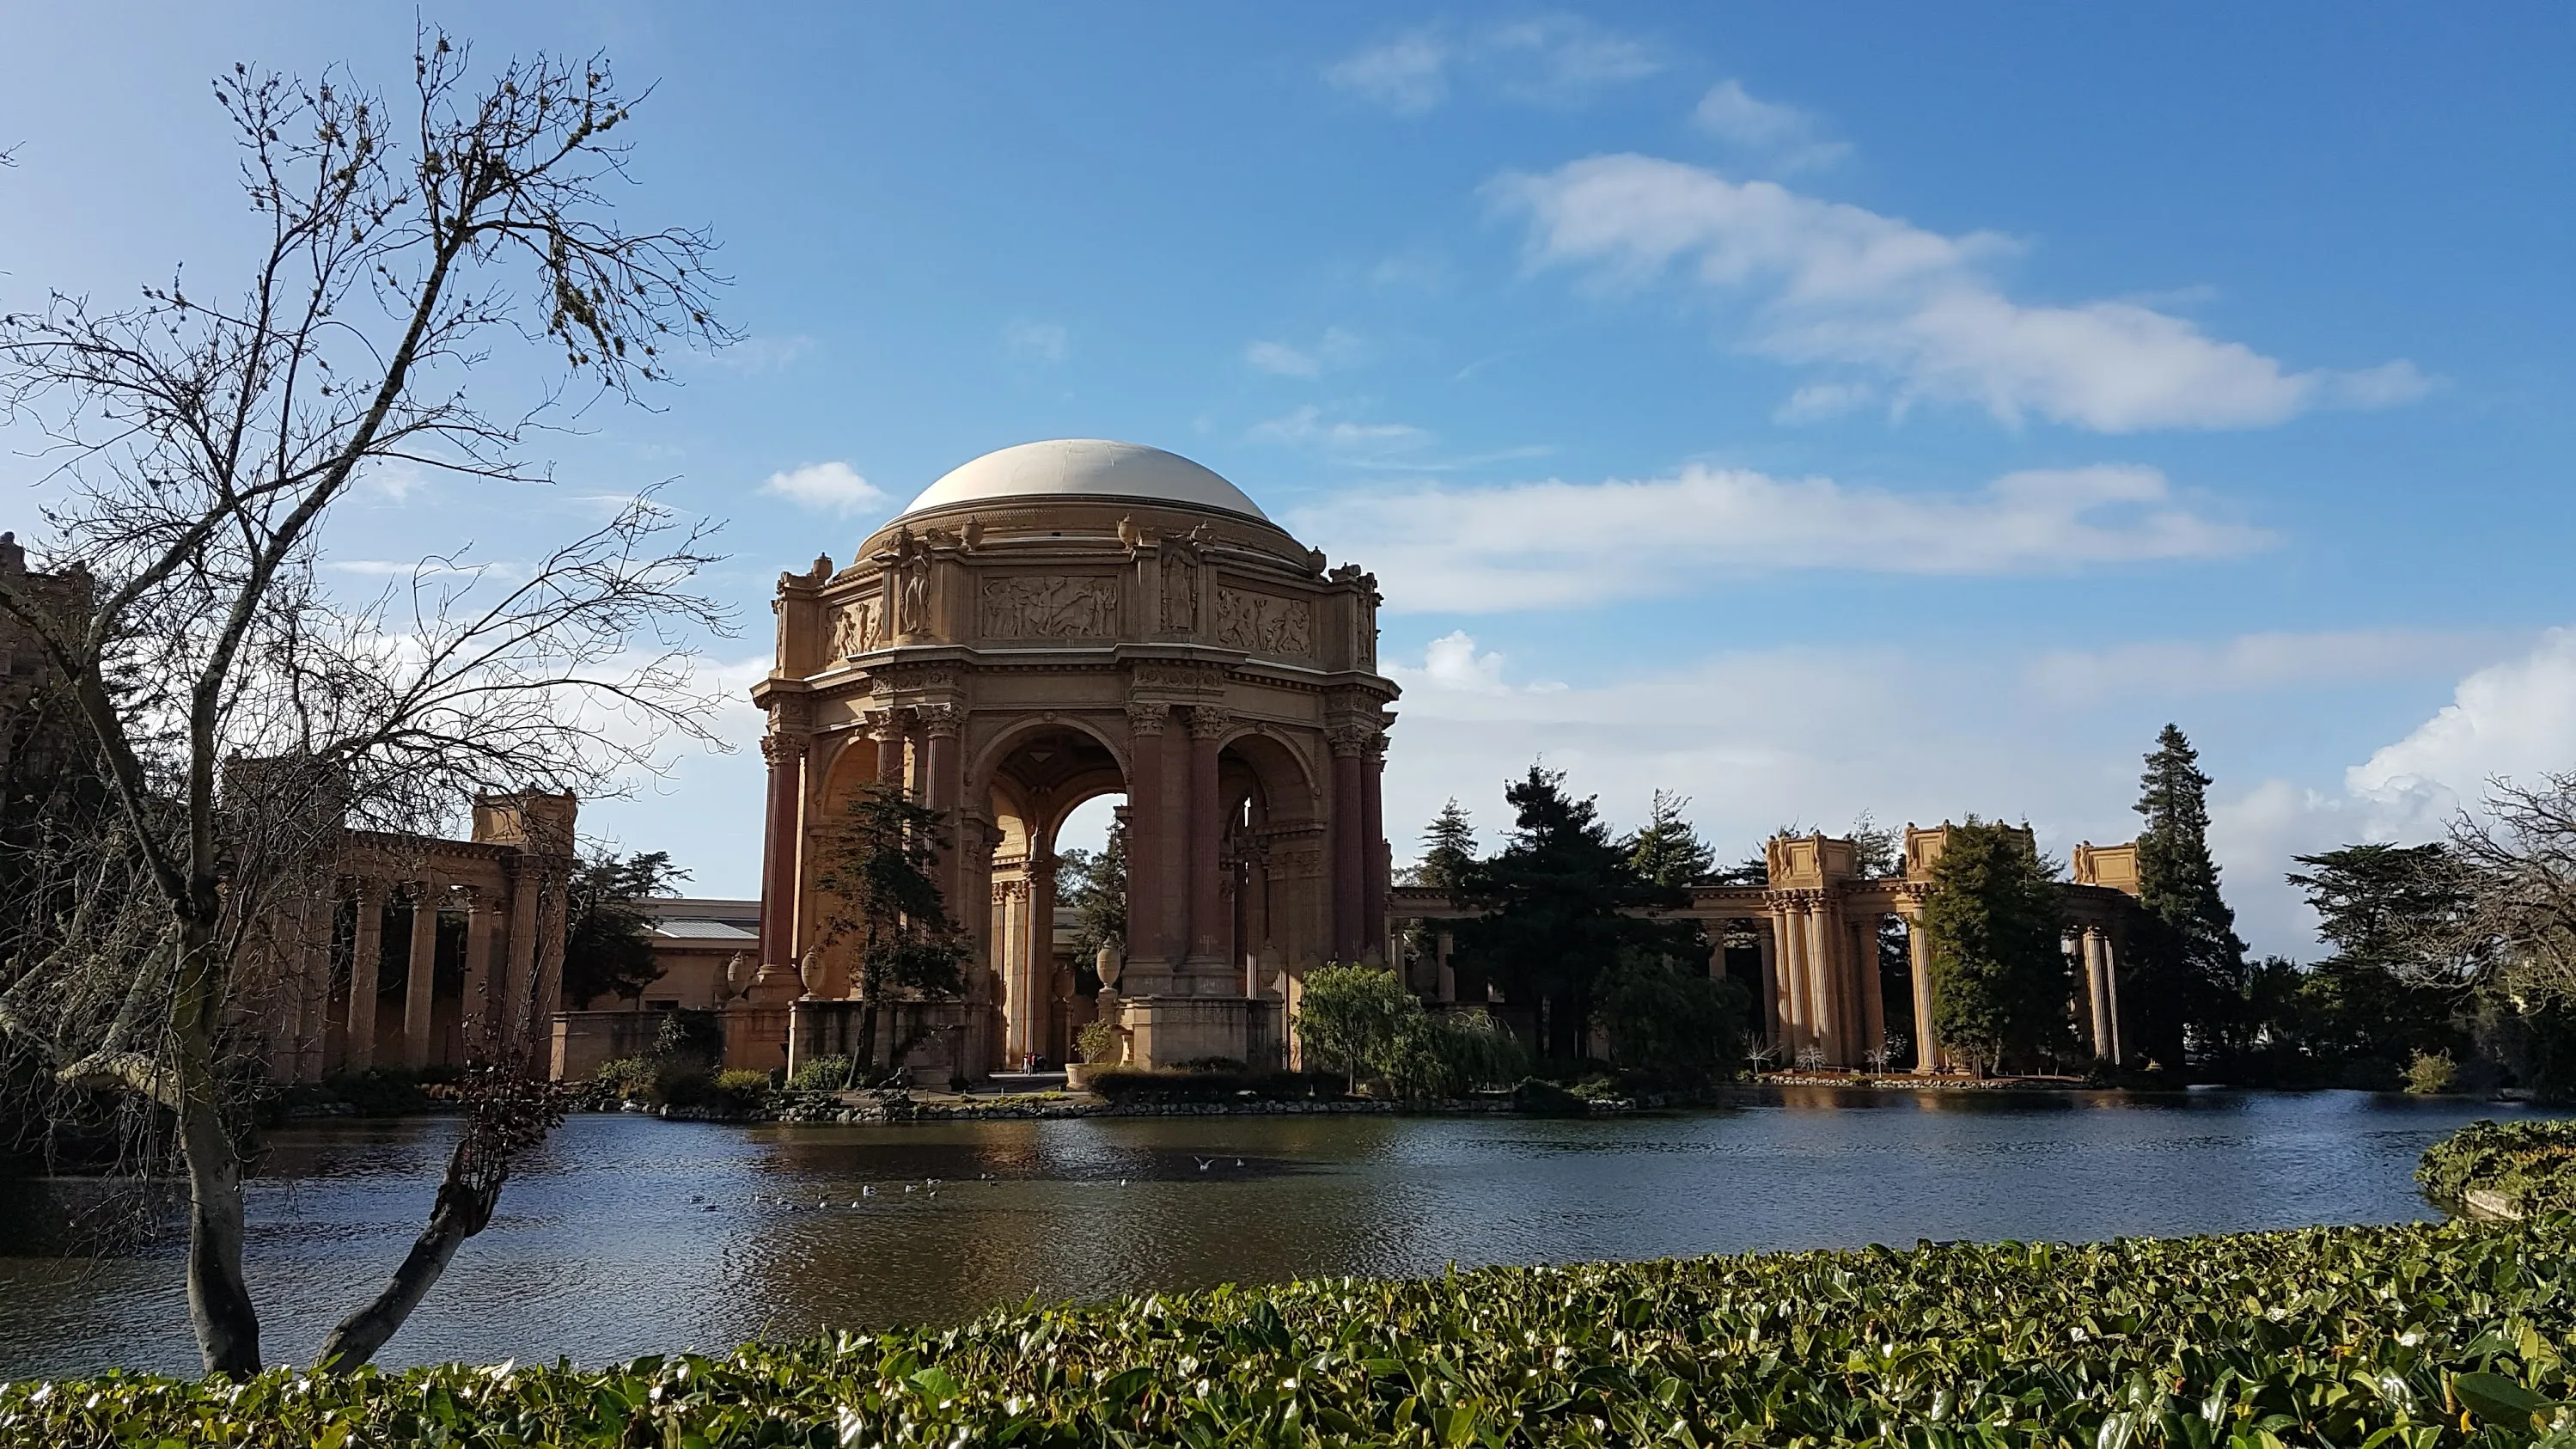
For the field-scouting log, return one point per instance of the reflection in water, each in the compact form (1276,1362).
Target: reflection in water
(627,1235)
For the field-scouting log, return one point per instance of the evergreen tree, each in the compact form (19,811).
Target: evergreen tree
(1667,851)
(2001,983)
(1094,888)
(2185,977)
(1556,900)
(608,948)
(877,871)
(1448,848)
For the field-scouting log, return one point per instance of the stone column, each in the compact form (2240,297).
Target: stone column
(943,785)
(1797,1033)
(2111,991)
(1146,883)
(366,953)
(475,1010)
(1823,989)
(1040,952)
(1350,909)
(1448,977)
(1373,841)
(2097,992)
(779,885)
(519,1027)
(1208,922)
(1013,943)
(1918,951)
(1873,1005)
(1766,939)
(313,928)
(421,985)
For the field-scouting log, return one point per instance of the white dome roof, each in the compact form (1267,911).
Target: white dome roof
(1086,467)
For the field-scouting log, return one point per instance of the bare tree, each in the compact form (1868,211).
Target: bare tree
(2521,860)
(243,714)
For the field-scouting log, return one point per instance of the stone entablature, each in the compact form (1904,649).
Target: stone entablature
(1006,658)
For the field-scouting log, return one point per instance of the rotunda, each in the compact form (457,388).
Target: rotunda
(1043,625)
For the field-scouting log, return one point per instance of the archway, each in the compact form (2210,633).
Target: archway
(1036,779)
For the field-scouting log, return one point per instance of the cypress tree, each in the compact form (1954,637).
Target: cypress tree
(1561,902)
(1667,851)
(2000,979)
(1448,847)
(2187,968)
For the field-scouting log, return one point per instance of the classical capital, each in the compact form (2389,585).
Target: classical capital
(1207,722)
(1352,737)
(1145,717)
(887,726)
(779,747)
(942,721)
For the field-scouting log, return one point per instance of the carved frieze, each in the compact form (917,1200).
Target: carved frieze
(1264,623)
(855,629)
(1050,606)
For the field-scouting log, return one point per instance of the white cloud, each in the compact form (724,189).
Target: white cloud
(1553,543)
(2249,663)
(1337,348)
(1838,286)
(2512,720)
(1784,135)
(1028,341)
(755,356)
(1556,60)
(2508,720)
(833,487)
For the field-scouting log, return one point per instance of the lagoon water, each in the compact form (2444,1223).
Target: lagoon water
(629,1235)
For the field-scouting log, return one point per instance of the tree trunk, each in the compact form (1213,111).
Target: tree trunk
(219,1304)
(464,1206)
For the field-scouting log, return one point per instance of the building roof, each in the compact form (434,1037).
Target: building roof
(1086,468)
(703,931)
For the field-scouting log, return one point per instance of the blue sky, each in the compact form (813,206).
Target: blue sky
(1810,409)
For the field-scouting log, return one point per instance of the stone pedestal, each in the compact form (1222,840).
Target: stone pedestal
(1165,1031)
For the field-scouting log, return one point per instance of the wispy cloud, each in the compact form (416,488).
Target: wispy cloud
(1337,348)
(833,487)
(1876,298)
(1551,544)
(1310,426)
(1786,137)
(1027,341)
(756,356)
(1558,60)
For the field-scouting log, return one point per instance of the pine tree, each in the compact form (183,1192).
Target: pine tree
(608,947)
(877,870)
(1448,848)
(1094,888)
(2188,966)
(1667,851)
(2000,978)
(1558,901)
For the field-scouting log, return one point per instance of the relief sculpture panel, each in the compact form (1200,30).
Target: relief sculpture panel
(1264,623)
(854,629)
(1030,606)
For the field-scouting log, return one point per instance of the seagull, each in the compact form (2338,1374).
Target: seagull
(822,1202)
(908,1187)
(934,1182)
(1204,1162)
(1122,1182)
(868,1191)
(1238,1162)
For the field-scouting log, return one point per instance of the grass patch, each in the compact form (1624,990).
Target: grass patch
(2409,1337)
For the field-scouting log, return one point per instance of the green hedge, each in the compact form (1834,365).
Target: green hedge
(2531,1162)
(2376,1338)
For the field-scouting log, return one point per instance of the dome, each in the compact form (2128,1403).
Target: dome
(1085,468)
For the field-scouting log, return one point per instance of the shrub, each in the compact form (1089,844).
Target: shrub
(2532,1163)
(683,1087)
(1169,1085)
(439,1074)
(1348,1017)
(1546,1099)
(821,1074)
(1452,1053)
(1100,1042)
(2426,1336)
(689,1038)
(630,1077)
(1673,1024)
(2431,1074)
(741,1087)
